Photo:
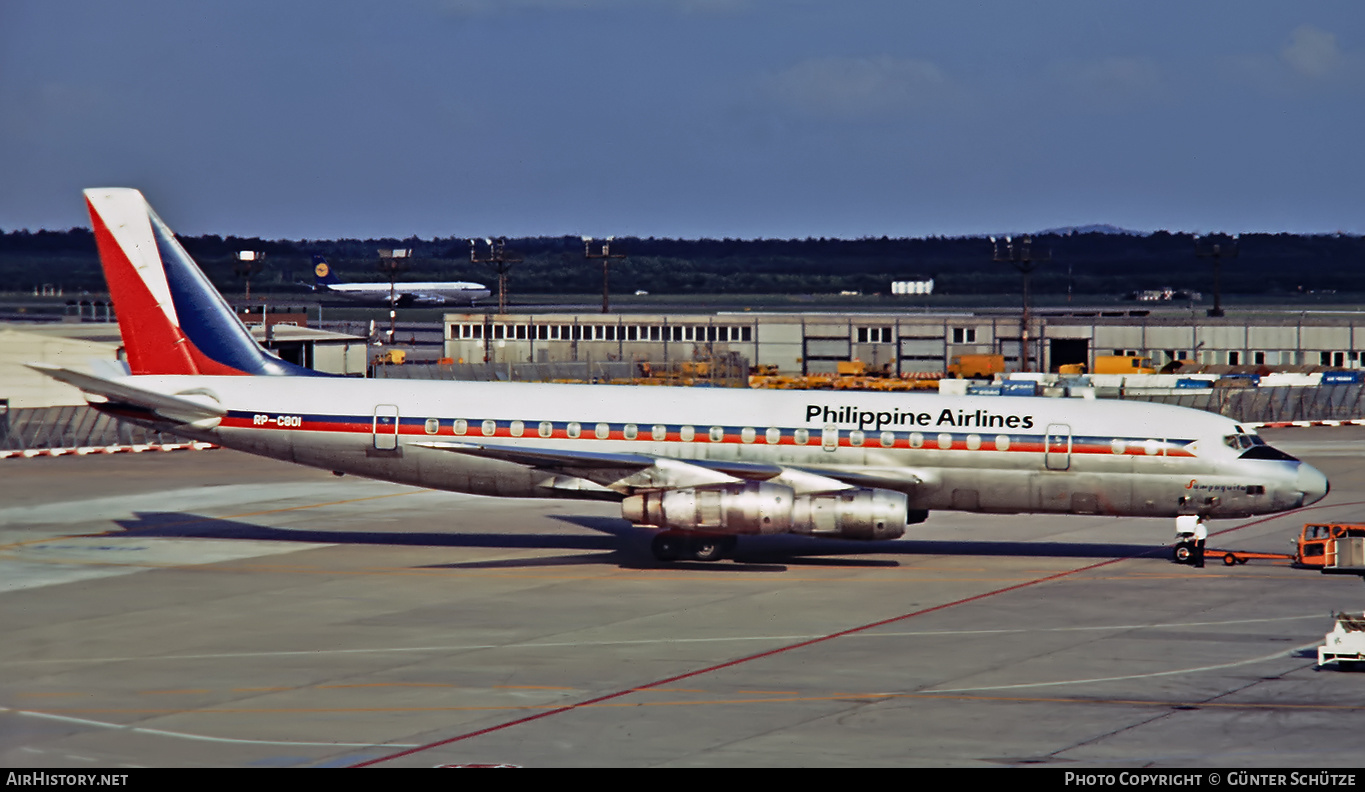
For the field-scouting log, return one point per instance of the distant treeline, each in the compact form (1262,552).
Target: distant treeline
(1085,263)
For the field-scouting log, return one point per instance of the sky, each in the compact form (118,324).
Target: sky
(303,119)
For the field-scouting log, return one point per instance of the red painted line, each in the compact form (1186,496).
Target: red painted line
(729,664)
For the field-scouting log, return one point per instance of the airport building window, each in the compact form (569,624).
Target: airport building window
(746,334)
(1234,358)
(517,428)
(490,428)
(574,429)
(964,335)
(546,429)
(461,427)
(879,335)
(433,425)
(659,432)
(602,431)
(1002,442)
(773,435)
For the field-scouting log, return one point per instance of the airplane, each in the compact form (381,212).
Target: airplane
(404,294)
(701,467)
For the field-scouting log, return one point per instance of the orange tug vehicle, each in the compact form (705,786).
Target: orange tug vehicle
(1315,548)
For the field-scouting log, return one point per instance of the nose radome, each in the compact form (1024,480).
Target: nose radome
(1312,483)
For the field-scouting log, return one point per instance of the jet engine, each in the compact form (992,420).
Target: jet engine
(753,507)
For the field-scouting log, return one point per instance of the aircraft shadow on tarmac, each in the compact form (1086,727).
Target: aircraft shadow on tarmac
(628,545)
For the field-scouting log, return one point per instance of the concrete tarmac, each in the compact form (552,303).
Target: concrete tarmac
(206,608)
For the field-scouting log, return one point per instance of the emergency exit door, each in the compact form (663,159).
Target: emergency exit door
(385,427)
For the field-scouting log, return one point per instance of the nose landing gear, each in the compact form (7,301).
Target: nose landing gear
(1190,533)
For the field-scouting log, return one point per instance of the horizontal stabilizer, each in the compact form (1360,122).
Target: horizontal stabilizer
(100,392)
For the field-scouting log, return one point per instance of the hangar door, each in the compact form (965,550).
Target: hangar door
(1068,351)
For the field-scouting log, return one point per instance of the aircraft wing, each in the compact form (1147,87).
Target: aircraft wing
(102,392)
(629,473)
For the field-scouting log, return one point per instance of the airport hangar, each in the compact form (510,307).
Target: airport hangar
(814,343)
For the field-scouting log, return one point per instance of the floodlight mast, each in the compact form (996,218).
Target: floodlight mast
(1020,253)
(497,256)
(606,255)
(391,262)
(1217,250)
(249,262)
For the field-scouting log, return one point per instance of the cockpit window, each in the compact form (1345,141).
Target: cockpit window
(1238,441)
(1263,451)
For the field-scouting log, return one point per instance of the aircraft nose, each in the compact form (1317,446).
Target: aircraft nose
(1312,483)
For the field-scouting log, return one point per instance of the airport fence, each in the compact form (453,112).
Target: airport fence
(731,371)
(41,428)
(1271,404)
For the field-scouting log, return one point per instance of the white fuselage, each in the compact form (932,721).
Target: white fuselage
(971,453)
(425,292)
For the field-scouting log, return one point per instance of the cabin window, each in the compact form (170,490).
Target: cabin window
(687,434)
(916,440)
(973,442)
(574,429)
(773,435)
(1117,446)
(1002,442)
(888,439)
(460,427)
(546,429)
(748,435)
(517,428)
(717,434)
(602,431)
(490,428)
(1151,447)
(631,431)
(433,425)
(856,437)
(802,437)
(659,432)
(945,441)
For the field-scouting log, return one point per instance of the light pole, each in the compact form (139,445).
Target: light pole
(391,262)
(1216,250)
(606,255)
(497,256)
(249,262)
(1020,254)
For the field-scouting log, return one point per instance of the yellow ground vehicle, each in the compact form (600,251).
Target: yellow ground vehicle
(1314,549)
(976,366)
(1123,364)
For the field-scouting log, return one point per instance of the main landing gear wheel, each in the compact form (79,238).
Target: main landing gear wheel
(1184,551)
(673,545)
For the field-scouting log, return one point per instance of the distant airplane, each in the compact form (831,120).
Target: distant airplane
(700,466)
(405,294)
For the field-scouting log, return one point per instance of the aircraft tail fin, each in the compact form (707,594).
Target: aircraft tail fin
(172,319)
(322,274)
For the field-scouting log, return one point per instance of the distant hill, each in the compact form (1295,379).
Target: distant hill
(1101,228)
